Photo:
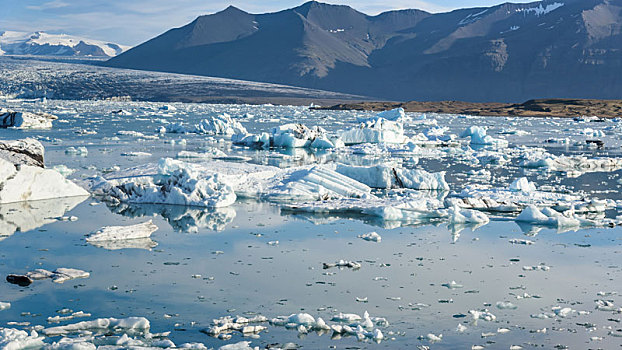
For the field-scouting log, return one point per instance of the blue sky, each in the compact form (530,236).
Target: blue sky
(131,22)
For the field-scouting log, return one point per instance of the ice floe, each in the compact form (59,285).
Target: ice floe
(116,233)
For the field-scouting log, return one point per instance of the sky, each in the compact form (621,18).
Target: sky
(131,22)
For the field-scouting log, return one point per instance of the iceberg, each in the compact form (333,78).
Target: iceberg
(116,233)
(137,324)
(176,183)
(289,136)
(14,339)
(479,136)
(221,124)
(25,120)
(386,176)
(23,152)
(375,130)
(20,183)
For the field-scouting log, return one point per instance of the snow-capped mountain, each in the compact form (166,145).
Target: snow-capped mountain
(44,44)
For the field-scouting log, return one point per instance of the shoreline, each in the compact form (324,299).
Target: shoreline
(543,108)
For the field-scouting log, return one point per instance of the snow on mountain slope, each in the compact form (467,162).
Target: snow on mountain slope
(41,43)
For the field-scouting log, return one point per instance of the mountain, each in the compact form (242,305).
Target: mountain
(509,52)
(44,44)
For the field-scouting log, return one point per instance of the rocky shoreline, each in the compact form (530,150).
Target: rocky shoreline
(564,108)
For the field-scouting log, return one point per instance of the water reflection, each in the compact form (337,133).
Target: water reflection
(27,216)
(181,219)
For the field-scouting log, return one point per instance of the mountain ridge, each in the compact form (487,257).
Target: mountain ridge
(508,52)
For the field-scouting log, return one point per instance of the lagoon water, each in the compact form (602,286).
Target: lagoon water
(202,264)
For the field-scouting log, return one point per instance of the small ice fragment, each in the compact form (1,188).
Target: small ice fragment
(461,328)
(521,241)
(371,237)
(482,315)
(433,338)
(4,306)
(506,305)
(452,285)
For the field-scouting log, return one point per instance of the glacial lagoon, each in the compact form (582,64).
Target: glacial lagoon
(430,281)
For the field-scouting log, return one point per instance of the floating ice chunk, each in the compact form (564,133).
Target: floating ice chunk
(23,152)
(521,241)
(433,338)
(14,339)
(452,285)
(59,318)
(384,176)
(343,263)
(461,328)
(536,268)
(77,151)
(220,125)
(563,311)
(479,137)
(211,153)
(506,200)
(463,216)
(114,233)
(25,120)
(136,154)
(316,183)
(243,345)
(303,319)
(607,305)
(482,315)
(29,183)
(138,324)
(506,305)
(4,306)
(176,183)
(549,217)
(396,114)
(286,136)
(522,185)
(371,237)
(59,275)
(375,130)
(346,318)
(575,165)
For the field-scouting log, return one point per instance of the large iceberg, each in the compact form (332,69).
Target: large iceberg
(25,120)
(387,176)
(26,151)
(289,136)
(375,130)
(29,183)
(221,124)
(175,183)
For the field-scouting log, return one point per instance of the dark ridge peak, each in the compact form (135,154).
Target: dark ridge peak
(309,6)
(402,11)
(231,10)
